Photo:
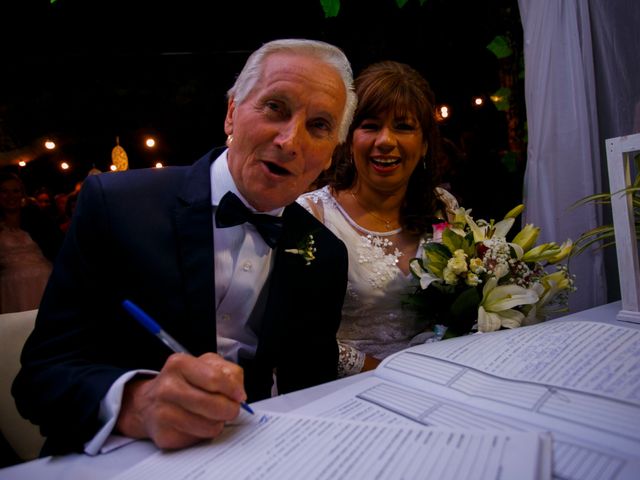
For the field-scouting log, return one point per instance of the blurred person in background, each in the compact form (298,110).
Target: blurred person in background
(29,242)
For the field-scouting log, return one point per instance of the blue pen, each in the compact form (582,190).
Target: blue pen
(150,324)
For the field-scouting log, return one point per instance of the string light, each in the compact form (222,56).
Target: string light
(477,101)
(443,112)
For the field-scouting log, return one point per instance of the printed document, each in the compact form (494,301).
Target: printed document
(579,380)
(284,446)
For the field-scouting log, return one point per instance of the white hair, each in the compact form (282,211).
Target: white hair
(323,51)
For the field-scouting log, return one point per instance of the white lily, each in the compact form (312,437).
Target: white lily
(479,232)
(565,250)
(515,211)
(484,232)
(542,252)
(527,237)
(459,221)
(501,228)
(496,308)
(426,278)
(547,289)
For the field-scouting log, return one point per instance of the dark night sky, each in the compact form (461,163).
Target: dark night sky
(88,71)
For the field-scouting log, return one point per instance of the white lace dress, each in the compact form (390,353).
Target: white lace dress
(374,321)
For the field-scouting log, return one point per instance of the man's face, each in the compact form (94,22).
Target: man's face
(285,131)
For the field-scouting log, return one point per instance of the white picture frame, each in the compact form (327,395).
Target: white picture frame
(620,152)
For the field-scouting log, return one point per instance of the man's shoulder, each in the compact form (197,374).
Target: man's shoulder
(152,178)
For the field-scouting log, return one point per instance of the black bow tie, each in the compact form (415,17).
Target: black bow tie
(232,212)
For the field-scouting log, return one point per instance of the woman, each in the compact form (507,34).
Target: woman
(26,238)
(381,201)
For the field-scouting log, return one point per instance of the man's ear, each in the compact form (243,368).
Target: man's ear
(228,120)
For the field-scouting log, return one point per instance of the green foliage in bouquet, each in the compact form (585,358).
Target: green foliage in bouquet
(473,278)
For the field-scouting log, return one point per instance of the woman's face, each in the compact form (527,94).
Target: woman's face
(386,150)
(11,195)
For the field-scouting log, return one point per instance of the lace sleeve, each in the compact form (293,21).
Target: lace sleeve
(312,204)
(350,360)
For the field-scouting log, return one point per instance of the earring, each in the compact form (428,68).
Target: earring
(229,139)
(424,164)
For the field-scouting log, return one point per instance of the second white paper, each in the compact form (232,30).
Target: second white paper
(294,447)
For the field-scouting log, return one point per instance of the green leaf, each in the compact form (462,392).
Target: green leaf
(454,242)
(510,161)
(330,7)
(501,98)
(500,47)
(466,303)
(601,234)
(436,257)
(401,3)
(601,198)
(463,312)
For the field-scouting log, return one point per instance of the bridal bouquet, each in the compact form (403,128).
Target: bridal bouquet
(473,278)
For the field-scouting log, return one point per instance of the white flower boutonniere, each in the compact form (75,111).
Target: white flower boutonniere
(306,249)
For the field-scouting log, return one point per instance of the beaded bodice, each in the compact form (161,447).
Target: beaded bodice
(373,317)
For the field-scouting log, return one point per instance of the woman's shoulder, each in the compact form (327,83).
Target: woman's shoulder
(316,201)
(321,195)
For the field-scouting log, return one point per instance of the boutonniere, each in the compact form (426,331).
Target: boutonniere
(306,249)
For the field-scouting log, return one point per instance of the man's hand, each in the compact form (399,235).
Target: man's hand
(190,400)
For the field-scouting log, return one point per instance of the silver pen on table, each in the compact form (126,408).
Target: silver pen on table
(152,326)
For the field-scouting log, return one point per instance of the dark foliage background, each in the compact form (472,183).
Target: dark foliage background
(87,72)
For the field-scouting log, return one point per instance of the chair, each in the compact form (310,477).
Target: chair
(22,435)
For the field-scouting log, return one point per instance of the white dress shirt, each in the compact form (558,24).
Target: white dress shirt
(242,261)
(242,264)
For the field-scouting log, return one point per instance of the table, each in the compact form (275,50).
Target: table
(101,467)
(79,466)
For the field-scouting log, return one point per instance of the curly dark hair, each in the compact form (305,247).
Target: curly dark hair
(392,86)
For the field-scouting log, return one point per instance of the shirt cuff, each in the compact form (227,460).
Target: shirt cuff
(104,441)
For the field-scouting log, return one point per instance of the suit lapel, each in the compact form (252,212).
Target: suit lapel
(194,235)
(288,269)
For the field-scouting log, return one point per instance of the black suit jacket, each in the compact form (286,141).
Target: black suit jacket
(147,235)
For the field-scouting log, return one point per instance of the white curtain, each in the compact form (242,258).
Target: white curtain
(581,73)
